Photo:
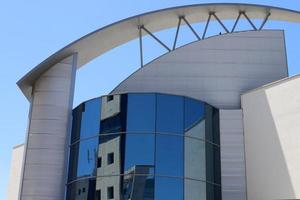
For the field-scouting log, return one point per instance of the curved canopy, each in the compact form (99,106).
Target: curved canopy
(102,40)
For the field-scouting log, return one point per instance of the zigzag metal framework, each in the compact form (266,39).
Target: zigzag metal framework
(183,18)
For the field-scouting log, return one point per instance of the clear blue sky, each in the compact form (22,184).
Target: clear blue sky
(31,30)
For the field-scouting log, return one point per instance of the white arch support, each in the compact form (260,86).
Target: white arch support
(49,125)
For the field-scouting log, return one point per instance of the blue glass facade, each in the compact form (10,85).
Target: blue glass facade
(144,146)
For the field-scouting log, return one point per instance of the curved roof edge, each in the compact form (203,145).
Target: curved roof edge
(104,39)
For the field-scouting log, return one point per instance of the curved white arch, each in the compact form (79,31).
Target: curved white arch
(102,40)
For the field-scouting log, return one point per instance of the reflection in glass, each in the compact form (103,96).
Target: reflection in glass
(83,159)
(169,155)
(81,189)
(141,113)
(113,114)
(194,190)
(136,187)
(169,114)
(139,150)
(193,112)
(86,119)
(168,188)
(144,147)
(194,159)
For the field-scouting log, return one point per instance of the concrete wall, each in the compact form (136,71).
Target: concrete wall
(49,123)
(233,173)
(216,70)
(272,140)
(15,172)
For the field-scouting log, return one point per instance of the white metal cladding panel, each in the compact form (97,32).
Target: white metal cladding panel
(44,168)
(232,155)
(216,70)
(272,140)
(15,173)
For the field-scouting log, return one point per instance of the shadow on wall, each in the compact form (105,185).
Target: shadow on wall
(267,172)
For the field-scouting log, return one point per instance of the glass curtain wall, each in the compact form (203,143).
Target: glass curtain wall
(144,146)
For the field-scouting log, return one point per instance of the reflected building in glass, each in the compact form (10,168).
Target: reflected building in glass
(144,146)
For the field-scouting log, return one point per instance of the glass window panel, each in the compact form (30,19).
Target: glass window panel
(169,155)
(213,192)
(212,128)
(111,148)
(137,187)
(193,112)
(194,159)
(113,114)
(169,114)
(139,152)
(81,189)
(108,186)
(90,121)
(76,123)
(168,188)
(213,166)
(83,159)
(194,190)
(141,113)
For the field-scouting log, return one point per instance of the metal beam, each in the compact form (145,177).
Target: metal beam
(236,22)
(249,20)
(154,37)
(220,22)
(206,26)
(141,47)
(265,20)
(193,30)
(177,31)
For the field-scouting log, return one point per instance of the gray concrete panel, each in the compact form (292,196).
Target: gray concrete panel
(216,70)
(45,153)
(232,155)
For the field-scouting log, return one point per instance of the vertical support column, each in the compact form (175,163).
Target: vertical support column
(233,173)
(44,169)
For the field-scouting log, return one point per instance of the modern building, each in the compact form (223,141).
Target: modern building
(218,118)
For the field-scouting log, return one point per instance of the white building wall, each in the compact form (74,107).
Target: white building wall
(45,160)
(15,173)
(272,140)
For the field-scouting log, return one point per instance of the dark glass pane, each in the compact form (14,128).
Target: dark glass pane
(113,114)
(141,113)
(76,123)
(81,189)
(139,152)
(90,121)
(169,155)
(137,187)
(194,159)
(212,124)
(169,114)
(194,190)
(213,192)
(83,159)
(193,112)
(213,163)
(168,188)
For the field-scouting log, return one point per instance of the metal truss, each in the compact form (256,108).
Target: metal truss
(183,18)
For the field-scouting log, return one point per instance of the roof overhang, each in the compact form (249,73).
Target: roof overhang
(104,39)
